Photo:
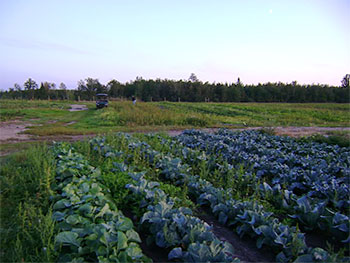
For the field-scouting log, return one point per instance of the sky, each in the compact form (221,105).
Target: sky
(258,41)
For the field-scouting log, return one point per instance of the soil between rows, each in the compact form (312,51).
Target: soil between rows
(245,248)
(12,131)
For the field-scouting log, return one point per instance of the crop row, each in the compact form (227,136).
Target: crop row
(247,217)
(317,170)
(188,238)
(311,212)
(91,228)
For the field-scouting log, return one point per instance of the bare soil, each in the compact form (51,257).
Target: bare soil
(12,130)
(77,107)
(245,248)
(307,131)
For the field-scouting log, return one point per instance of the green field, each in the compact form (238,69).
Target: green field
(34,180)
(132,198)
(53,118)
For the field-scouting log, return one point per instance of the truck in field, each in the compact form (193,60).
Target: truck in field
(101,100)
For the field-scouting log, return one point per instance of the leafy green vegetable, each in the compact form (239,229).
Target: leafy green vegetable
(68,238)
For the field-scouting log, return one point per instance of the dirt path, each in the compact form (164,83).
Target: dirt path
(77,107)
(307,131)
(245,248)
(11,132)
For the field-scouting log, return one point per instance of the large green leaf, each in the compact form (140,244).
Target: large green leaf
(101,251)
(123,257)
(95,189)
(124,224)
(122,241)
(108,239)
(61,204)
(133,236)
(74,219)
(58,216)
(134,251)
(104,210)
(85,209)
(68,238)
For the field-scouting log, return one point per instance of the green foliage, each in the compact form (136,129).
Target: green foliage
(179,194)
(343,140)
(11,114)
(91,228)
(192,90)
(82,221)
(145,114)
(175,227)
(27,228)
(268,114)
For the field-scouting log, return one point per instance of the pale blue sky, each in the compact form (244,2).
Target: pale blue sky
(218,40)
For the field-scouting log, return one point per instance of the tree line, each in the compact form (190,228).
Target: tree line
(191,90)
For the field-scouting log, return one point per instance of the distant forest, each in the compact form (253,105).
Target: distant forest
(191,90)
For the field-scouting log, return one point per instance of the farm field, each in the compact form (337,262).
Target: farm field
(46,118)
(24,123)
(143,197)
(123,113)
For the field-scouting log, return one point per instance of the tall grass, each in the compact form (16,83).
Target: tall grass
(27,228)
(269,114)
(147,114)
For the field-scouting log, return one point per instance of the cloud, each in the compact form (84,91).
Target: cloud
(43,46)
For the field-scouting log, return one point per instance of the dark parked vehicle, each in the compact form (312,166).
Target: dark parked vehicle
(101,100)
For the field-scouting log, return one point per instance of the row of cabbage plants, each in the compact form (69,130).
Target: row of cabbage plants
(311,212)
(172,169)
(90,227)
(247,217)
(186,237)
(318,170)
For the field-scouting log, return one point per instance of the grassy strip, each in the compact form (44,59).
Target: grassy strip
(269,114)
(340,138)
(7,148)
(27,228)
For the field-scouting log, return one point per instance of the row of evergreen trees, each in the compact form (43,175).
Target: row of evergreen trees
(191,90)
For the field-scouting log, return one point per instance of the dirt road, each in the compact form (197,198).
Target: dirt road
(77,107)
(12,131)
